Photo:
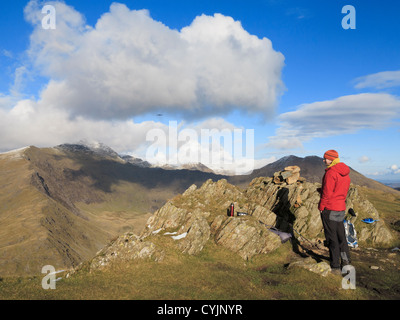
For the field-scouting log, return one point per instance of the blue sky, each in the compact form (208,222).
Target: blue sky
(286,69)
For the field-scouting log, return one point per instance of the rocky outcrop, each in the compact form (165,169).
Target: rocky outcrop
(245,236)
(293,206)
(286,202)
(126,247)
(197,232)
(167,217)
(374,234)
(204,210)
(322,268)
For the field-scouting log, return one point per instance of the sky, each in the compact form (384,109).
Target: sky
(232,84)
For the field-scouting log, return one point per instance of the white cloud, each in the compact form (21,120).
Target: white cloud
(7,53)
(259,163)
(364,159)
(215,143)
(129,64)
(387,173)
(33,123)
(394,169)
(19,79)
(7,102)
(298,13)
(379,80)
(344,115)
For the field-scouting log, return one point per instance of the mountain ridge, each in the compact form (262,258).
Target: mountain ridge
(77,200)
(313,169)
(312,166)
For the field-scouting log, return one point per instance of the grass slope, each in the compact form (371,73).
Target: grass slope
(215,274)
(36,230)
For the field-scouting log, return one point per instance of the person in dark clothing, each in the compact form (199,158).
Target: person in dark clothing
(335,186)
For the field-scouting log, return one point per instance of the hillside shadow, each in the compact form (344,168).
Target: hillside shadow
(71,177)
(106,173)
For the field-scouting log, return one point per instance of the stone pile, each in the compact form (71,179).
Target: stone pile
(289,175)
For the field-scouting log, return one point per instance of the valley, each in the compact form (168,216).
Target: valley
(66,206)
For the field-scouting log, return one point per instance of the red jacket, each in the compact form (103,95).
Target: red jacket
(335,186)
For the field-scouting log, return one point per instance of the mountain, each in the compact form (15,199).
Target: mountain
(60,205)
(136,161)
(392,184)
(36,229)
(196,167)
(94,148)
(312,168)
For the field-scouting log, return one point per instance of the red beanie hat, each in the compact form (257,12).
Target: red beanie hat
(331,155)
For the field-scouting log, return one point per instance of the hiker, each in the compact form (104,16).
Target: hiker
(335,186)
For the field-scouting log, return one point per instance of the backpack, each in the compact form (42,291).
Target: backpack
(351,234)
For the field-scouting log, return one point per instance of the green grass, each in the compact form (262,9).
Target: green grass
(387,204)
(215,274)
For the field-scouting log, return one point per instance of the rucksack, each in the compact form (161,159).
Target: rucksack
(351,234)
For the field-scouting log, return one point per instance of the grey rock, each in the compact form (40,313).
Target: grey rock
(321,268)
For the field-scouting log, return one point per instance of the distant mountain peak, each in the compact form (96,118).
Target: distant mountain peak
(90,147)
(196,166)
(312,168)
(14,154)
(135,161)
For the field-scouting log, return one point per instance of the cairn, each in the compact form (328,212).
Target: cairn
(290,175)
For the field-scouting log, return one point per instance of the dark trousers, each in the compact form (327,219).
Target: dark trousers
(335,237)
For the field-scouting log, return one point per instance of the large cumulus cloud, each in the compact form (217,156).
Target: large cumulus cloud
(129,64)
